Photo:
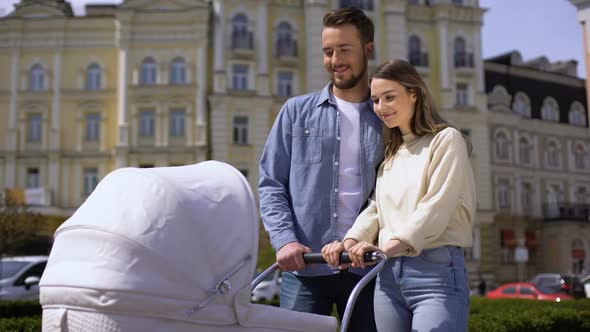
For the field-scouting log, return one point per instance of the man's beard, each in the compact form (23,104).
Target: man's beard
(353,81)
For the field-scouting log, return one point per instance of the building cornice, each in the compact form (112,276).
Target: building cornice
(535,74)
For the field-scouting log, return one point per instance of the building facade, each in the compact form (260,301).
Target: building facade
(540,169)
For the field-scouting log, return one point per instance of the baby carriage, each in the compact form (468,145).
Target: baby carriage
(163,249)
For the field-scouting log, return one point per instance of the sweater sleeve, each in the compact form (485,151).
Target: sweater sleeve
(366,225)
(446,174)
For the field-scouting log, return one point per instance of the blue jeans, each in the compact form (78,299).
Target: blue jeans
(318,294)
(428,292)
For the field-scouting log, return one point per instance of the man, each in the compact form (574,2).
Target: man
(318,169)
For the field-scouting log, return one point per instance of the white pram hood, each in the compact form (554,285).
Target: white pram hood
(160,242)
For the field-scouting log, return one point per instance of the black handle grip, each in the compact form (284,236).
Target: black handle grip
(316,258)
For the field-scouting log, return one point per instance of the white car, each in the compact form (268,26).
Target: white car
(19,277)
(269,288)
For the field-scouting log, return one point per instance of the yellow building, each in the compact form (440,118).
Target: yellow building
(122,86)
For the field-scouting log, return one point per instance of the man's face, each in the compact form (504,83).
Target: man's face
(345,56)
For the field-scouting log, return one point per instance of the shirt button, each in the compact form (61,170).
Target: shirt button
(338,138)
(336,163)
(335,190)
(306,131)
(335,215)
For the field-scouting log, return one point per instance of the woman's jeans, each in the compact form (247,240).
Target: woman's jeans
(428,292)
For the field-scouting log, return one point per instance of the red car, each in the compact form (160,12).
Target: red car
(526,290)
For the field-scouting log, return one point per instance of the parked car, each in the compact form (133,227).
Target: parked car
(527,290)
(19,277)
(552,281)
(586,282)
(269,288)
(569,284)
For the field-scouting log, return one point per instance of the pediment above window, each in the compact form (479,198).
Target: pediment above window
(42,8)
(162,5)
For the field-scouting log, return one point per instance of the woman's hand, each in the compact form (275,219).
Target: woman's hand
(357,253)
(394,247)
(331,253)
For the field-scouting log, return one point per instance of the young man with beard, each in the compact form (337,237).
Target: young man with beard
(319,168)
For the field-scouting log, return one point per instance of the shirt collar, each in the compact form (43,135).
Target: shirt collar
(326,95)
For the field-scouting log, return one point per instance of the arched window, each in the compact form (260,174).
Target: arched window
(580,156)
(415,55)
(462,58)
(93,77)
(577,115)
(521,105)
(524,150)
(553,154)
(552,201)
(503,194)
(502,146)
(286,44)
(241,36)
(360,4)
(149,71)
(37,78)
(550,110)
(178,71)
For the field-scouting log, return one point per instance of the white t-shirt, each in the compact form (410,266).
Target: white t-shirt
(349,166)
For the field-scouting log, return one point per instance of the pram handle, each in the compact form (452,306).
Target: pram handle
(316,258)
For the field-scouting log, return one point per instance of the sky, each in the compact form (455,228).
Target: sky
(533,27)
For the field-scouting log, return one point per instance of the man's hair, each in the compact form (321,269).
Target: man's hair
(353,16)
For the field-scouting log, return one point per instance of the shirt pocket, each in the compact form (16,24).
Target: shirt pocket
(306,146)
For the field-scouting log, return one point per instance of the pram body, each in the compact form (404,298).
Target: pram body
(163,249)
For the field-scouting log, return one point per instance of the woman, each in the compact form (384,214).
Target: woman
(421,213)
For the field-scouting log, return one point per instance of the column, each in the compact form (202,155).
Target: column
(395,20)
(54,134)
(479,79)
(219,80)
(201,98)
(14,79)
(122,109)
(316,74)
(262,81)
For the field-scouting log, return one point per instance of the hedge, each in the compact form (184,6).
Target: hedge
(505,315)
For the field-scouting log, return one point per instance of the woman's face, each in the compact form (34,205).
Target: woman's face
(393,103)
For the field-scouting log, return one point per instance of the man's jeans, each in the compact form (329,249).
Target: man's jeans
(318,294)
(428,292)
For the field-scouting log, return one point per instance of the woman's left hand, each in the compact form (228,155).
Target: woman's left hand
(357,253)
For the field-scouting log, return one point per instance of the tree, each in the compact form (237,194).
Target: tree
(19,227)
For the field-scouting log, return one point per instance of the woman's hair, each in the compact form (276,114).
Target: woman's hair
(426,119)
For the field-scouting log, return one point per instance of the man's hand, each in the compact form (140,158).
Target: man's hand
(290,256)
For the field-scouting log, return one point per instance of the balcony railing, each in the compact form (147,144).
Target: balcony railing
(419,59)
(566,212)
(464,60)
(242,40)
(286,48)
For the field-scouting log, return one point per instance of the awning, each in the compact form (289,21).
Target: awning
(531,239)
(508,239)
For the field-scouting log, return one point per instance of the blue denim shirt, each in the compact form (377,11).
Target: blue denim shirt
(298,184)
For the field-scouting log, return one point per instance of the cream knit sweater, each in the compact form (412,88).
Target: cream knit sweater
(424,197)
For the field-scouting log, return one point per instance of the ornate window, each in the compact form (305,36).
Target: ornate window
(90,178)
(240,77)
(149,71)
(35,128)
(147,123)
(553,154)
(286,43)
(577,115)
(461,57)
(502,146)
(526,197)
(93,77)
(550,110)
(178,71)
(524,150)
(37,78)
(177,122)
(285,84)
(415,55)
(92,127)
(503,192)
(521,105)
(241,37)
(580,156)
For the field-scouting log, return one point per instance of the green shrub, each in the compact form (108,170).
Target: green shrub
(11,309)
(21,324)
